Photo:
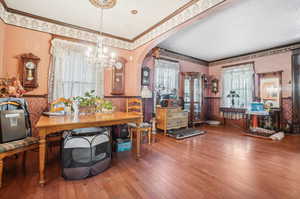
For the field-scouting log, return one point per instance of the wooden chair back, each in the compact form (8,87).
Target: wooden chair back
(134,105)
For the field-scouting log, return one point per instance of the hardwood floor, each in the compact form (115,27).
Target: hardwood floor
(220,164)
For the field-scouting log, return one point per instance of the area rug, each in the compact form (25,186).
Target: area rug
(185,133)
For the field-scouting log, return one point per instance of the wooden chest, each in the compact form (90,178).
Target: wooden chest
(171,118)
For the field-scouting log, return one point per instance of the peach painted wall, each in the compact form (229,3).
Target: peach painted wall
(265,64)
(19,41)
(2,38)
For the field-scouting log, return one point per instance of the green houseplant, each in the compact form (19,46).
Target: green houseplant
(90,103)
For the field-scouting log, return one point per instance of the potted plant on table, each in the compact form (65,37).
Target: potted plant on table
(90,103)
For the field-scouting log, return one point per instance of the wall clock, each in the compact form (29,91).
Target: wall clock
(145,76)
(29,70)
(118,77)
(214,86)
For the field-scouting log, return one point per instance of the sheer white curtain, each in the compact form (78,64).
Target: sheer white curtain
(166,75)
(166,78)
(238,79)
(70,72)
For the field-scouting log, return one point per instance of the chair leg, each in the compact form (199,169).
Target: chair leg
(24,161)
(149,136)
(1,171)
(130,134)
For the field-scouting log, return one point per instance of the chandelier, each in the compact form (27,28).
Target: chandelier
(101,55)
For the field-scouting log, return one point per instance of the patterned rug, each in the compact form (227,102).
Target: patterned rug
(185,133)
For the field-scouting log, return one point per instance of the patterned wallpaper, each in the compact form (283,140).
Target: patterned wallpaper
(213,104)
(37,105)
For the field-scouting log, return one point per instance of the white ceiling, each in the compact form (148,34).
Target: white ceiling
(118,21)
(246,26)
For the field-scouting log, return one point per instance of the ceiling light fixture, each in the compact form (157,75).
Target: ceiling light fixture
(101,55)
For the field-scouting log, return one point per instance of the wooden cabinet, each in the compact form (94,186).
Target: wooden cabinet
(171,118)
(193,89)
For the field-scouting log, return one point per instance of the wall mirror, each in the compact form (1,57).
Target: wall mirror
(270,92)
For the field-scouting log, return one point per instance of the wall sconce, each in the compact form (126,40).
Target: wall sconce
(214,86)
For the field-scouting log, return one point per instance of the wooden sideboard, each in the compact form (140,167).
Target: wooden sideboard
(171,118)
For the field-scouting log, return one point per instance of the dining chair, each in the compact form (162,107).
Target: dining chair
(135,105)
(19,146)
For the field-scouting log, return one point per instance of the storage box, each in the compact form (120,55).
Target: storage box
(122,145)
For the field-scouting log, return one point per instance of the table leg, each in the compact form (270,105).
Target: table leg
(138,143)
(42,155)
(149,135)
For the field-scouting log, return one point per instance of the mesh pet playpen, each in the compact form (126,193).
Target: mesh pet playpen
(85,152)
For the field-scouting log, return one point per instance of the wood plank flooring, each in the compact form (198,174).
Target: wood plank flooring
(220,164)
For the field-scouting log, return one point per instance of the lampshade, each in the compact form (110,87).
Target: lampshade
(146,92)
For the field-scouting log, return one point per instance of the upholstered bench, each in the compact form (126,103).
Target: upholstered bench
(12,148)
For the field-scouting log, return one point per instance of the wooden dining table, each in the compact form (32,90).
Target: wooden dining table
(53,124)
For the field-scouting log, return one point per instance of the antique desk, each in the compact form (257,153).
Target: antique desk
(49,125)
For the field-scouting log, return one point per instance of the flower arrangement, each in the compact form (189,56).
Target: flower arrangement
(11,87)
(90,103)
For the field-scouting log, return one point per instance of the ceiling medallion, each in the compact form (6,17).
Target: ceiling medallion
(105,4)
(134,12)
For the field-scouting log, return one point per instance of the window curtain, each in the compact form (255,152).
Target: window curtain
(166,76)
(166,79)
(238,79)
(70,72)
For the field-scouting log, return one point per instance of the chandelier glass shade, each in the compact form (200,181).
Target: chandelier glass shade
(100,55)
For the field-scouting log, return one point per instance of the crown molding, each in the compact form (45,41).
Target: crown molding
(190,3)
(257,54)
(183,14)
(179,56)
(19,19)
(187,14)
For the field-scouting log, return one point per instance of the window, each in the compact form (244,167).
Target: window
(70,73)
(240,80)
(166,80)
